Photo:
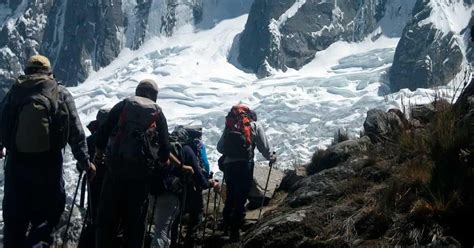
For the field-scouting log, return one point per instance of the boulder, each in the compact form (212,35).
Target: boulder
(291,177)
(423,112)
(336,154)
(319,187)
(382,126)
(286,230)
(260,176)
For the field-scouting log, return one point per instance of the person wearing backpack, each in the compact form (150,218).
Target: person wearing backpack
(137,141)
(38,118)
(174,187)
(241,135)
(87,238)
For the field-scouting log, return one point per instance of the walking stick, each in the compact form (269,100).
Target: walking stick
(183,207)
(215,214)
(183,200)
(266,186)
(72,208)
(88,210)
(220,198)
(152,216)
(207,210)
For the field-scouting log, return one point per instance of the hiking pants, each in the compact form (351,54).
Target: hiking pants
(124,203)
(195,208)
(238,176)
(33,194)
(166,212)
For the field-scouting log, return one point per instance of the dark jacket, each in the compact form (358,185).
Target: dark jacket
(172,180)
(111,124)
(77,138)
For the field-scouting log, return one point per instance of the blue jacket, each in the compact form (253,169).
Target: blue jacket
(204,160)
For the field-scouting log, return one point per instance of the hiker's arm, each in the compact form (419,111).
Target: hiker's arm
(2,121)
(77,137)
(262,142)
(163,138)
(191,159)
(178,167)
(109,125)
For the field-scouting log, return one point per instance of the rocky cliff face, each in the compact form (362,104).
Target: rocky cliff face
(81,36)
(433,47)
(77,36)
(287,34)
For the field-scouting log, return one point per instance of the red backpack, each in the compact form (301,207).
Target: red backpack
(238,134)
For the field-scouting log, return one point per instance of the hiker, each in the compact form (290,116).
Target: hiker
(241,135)
(87,238)
(38,118)
(136,132)
(174,188)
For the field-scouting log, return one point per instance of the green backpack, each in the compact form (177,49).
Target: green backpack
(37,115)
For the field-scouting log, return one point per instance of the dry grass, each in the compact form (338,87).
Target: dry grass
(418,170)
(340,135)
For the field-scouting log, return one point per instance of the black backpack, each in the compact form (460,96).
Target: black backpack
(186,135)
(136,139)
(35,118)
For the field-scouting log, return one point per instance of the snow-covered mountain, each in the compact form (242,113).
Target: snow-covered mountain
(205,54)
(84,36)
(434,45)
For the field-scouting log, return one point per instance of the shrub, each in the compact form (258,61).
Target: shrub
(340,135)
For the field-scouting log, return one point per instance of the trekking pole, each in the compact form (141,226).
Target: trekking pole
(220,198)
(89,217)
(152,215)
(72,208)
(215,213)
(266,186)
(207,209)
(183,207)
(82,199)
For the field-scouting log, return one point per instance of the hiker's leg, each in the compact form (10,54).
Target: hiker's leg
(245,172)
(15,207)
(174,232)
(166,211)
(195,209)
(108,213)
(135,213)
(48,197)
(95,190)
(230,181)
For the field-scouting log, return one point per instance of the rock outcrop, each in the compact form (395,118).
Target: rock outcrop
(287,34)
(430,52)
